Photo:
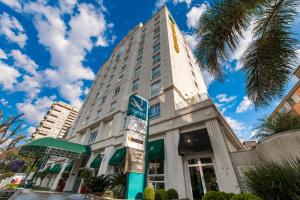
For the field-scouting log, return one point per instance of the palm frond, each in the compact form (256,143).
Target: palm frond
(269,60)
(220,29)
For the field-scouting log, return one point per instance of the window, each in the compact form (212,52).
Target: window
(86,120)
(154,111)
(113,106)
(156,174)
(156,31)
(108,86)
(103,100)
(286,107)
(156,38)
(155,88)
(140,52)
(156,47)
(157,18)
(157,23)
(156,58)
(155,72)
(137,72)
(117,91)
(123,68)
(93,136)
(120,77)
(294,99)
(97,95)
(111,77)
(98,113)
(135,85)
(139,60)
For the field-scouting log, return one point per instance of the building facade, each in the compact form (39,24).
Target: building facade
(190,142)
(291,102)
(56,122)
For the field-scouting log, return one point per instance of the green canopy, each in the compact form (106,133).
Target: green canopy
(69,167)
(156,150)
(55,147)
(96,162)
(118,157)
(47,170)
(55,169)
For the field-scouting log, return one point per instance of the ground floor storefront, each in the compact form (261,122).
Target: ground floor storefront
(192,158)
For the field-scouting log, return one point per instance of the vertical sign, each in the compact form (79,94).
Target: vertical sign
(135,141)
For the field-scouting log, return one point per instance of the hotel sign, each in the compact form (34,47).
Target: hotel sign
(138,107)
(135,137)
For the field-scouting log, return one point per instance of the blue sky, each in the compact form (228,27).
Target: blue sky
(51,52)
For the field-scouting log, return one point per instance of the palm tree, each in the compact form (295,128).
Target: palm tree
(268,61)
(9,132)
(283,121)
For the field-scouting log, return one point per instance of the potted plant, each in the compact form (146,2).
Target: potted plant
(98,184)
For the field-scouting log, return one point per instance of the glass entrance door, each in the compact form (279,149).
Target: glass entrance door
(202,177)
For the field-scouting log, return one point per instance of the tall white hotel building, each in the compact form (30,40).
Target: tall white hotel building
(190,142)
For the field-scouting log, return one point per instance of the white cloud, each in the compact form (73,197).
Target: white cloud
(30,130)
(160,3)
(237,126)
(14,4)
(69,43)
(11,28)
(35,111)
(192,39)
(2,54)
(245,105)
(224,98)
(194,15)
(24,62)
(30,84)
(208,79)
(3,101)
(8,76)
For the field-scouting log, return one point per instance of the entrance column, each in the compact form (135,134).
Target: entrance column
(224,170)
(54,185)
(73,175)
(104,167)
(174,176)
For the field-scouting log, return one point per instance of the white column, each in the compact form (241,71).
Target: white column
(73,175)
(224,169)
(54,185)
(104,167)
(174,177)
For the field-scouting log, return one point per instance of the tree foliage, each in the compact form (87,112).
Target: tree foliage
(9,132)
(283,121)
(270,58)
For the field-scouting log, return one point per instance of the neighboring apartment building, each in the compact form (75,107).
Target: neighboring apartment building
(59,118)
(291,102)
(190,142)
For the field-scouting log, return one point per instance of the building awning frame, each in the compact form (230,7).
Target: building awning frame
(156,150)
(54,147)
(96,162)
(118,158)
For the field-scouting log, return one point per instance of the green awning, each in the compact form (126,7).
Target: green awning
(54,147)
(118,158)
(69,167)
(55,169)
(156,150)
(96,162)
(47,170)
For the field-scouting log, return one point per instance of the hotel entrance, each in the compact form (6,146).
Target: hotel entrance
(202,177)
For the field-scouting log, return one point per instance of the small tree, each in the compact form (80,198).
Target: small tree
(149,193)
(283,121)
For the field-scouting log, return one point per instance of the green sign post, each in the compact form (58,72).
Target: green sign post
(135,141)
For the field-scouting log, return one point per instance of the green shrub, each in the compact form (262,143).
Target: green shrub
(275,180)
(149,193)
(161,194)
(172,194)
(229,195)
(108,193)
(214,195)
(246,196)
